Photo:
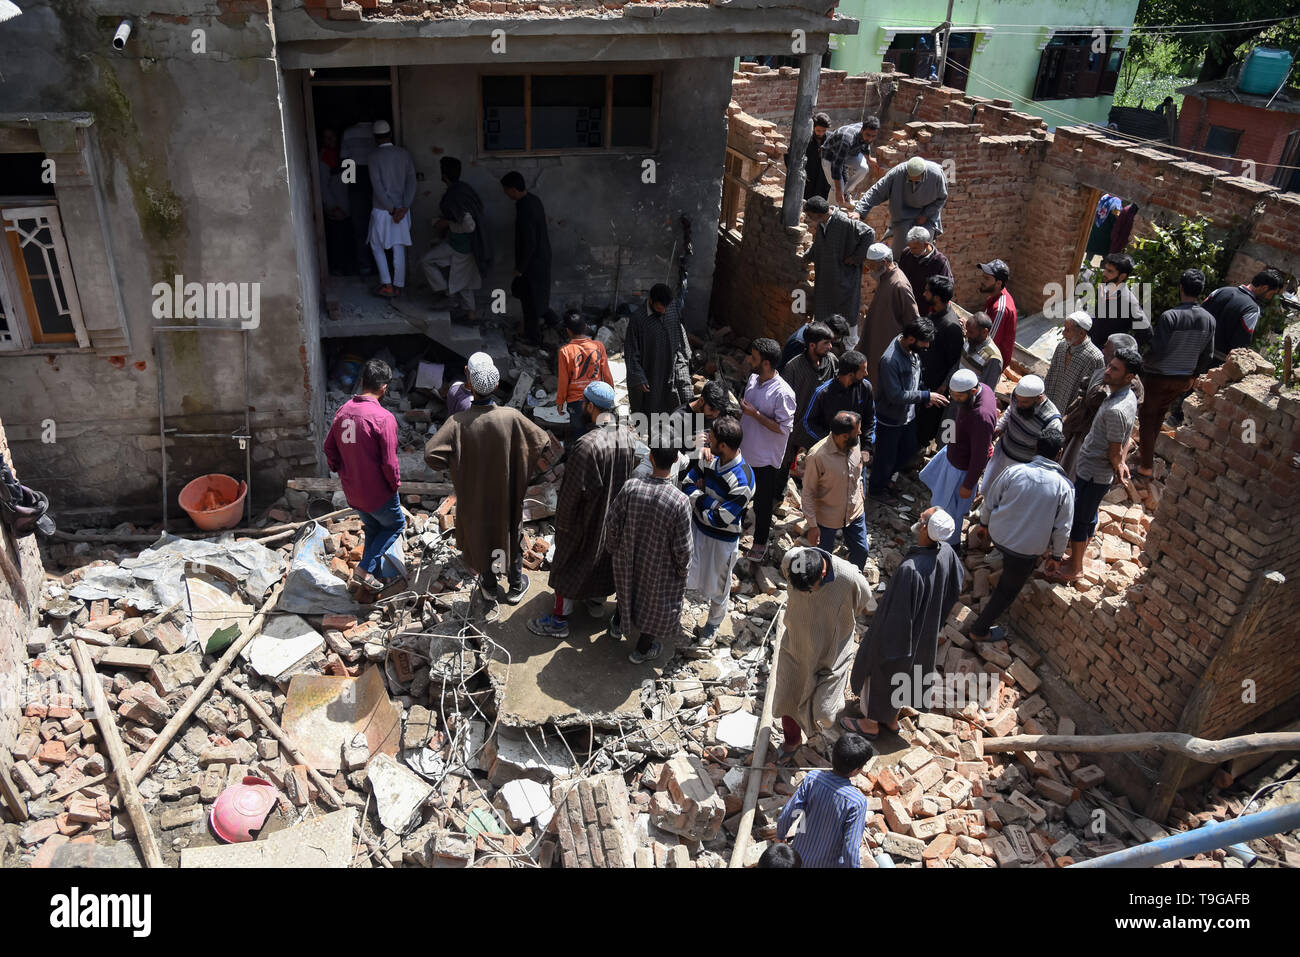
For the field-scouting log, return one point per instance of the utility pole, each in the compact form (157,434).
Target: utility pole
(947,37)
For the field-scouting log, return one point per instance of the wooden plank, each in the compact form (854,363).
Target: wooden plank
(12,795)
(334,485)
(117,756)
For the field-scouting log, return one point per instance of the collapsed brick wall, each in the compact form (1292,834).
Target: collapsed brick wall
(1225,519)
(757,270)
(1019,192)
(21,575)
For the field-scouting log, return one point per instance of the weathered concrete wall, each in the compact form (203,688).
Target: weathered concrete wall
(191,150)
(20,598)
(595,204)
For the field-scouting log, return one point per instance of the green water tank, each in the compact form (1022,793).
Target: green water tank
(1264,71)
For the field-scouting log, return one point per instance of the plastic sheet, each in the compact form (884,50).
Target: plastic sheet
(310,588)
(155,578)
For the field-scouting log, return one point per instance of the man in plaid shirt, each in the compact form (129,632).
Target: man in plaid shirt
(846,157)
(648,535)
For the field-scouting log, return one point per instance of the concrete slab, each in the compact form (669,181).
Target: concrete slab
(568,682)
(321,842)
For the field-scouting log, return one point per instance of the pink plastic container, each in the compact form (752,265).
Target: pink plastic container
(242,809)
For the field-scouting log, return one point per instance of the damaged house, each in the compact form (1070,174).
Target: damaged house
(171,172)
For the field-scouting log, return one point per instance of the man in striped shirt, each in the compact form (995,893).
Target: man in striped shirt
(1183,348)
(719,488)
(827,812)
(1030,415)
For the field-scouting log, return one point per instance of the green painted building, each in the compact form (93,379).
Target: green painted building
(1055,60)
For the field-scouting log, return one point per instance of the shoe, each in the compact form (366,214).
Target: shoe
(548,626)
(653,652)
(386,291)
(615,628)
(365,580)
(595,606)
(517,592)
(704,634)
(757,553)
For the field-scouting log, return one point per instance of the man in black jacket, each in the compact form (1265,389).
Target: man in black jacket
(938,361)
(532,279)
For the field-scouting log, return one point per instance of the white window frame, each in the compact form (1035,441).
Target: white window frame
(47,215)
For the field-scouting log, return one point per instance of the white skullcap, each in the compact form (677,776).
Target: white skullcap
(918,234)
(878,251)
(915,166)
(381,127)
(940,526)
(1081,319)
(1030,387)
(483,374)
(963,380)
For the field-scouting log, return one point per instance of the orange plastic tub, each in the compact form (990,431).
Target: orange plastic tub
(214,501)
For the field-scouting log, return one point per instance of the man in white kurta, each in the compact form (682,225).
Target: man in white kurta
(392,184)
(825,597)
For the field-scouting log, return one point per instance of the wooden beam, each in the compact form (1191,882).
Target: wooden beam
(117,755)
(9,791)
(757,764)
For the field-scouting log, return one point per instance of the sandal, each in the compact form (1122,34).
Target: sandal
(784,758)
(851,724)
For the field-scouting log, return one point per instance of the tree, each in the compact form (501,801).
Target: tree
(1220,48)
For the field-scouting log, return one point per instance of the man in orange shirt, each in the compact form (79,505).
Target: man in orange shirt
(582,361)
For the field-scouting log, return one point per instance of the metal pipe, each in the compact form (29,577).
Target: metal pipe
(162,422)
(1203,839)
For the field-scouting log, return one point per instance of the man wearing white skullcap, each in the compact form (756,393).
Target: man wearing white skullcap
(953,474)
(392,181)
(1075,360)
(492,453)
(916,192)
(895,664)
(1030,414)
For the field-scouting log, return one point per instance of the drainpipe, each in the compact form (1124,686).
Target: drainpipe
(1203,839)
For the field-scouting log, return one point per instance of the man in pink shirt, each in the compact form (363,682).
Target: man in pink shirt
(362,448)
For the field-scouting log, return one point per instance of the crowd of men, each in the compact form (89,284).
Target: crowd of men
(843,407)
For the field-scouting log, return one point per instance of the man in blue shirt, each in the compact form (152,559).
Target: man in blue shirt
(827,813)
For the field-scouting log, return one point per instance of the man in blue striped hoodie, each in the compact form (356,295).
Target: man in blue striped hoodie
(719,486)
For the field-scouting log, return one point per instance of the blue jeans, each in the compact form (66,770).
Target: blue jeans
(382,527)
(855,537)
(895,446)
